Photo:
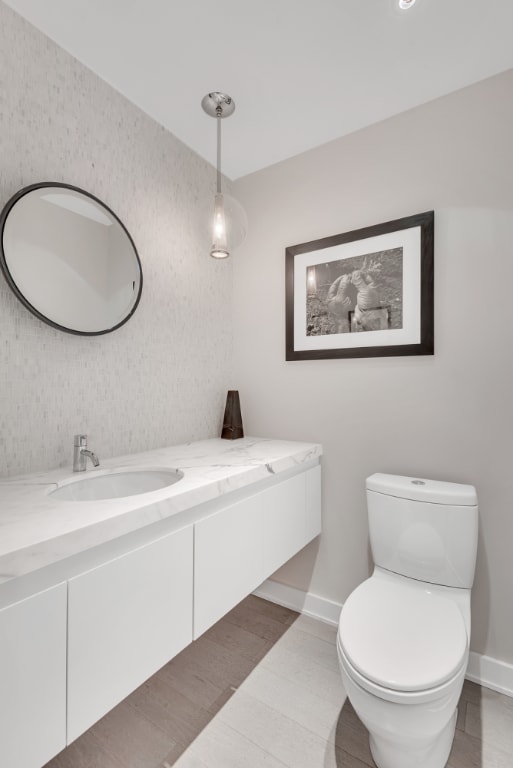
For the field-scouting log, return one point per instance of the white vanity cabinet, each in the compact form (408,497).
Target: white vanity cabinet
(95,599)
(238,547)
(126,619)
(33,678)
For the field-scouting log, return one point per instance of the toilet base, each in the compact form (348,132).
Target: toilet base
(432,754)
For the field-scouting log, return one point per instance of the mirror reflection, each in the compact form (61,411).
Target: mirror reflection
(69,259)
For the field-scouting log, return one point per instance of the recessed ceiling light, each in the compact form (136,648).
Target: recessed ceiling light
(405,4)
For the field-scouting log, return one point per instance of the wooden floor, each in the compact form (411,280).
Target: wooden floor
(262,689)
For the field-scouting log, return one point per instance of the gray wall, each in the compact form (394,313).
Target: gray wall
(161,378)
(447,417)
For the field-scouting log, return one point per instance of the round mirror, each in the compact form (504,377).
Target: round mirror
(69,259)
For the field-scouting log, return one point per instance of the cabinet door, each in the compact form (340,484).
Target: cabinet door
(127,618)
(33,679)
(227,560)
(292,517)
(284,513)
(237,548)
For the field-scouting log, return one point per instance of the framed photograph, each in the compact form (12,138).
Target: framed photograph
(366,293)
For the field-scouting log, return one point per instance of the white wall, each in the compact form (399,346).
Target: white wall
(161,378)
(446,417)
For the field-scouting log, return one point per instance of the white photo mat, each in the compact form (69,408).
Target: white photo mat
(409,241)
(412,331)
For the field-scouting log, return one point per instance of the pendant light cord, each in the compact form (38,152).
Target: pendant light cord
(219,150)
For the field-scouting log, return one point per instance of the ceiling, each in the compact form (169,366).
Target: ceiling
(301,72)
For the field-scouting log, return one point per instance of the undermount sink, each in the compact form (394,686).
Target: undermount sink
(115,484)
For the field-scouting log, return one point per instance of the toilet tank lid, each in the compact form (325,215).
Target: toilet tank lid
(421,489)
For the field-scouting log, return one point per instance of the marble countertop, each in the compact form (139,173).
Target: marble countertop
(37,530)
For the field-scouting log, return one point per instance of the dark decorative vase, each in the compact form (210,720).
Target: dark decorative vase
(232,422)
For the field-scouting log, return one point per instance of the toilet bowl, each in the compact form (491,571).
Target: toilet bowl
(403,642)
(403,652)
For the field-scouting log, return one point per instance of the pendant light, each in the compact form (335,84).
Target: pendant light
(229,225)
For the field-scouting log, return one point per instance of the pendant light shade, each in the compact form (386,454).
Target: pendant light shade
(229,225)
(220,245)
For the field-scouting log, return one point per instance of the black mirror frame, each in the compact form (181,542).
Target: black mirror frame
(11,283)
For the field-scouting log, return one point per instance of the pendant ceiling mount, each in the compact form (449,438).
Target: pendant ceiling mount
(217,104)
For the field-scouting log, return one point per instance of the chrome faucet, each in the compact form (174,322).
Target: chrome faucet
(81,454)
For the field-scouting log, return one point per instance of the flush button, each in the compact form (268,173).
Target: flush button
(418,482)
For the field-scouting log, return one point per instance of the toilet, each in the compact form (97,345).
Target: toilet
(403,636)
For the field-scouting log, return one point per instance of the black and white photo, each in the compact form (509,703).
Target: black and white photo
(364,293)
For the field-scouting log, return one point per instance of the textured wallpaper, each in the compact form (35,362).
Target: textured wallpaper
(161,378)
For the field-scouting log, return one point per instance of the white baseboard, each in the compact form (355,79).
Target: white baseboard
(491,673)
(303,602)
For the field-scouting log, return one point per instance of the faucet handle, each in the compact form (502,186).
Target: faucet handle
(80,441)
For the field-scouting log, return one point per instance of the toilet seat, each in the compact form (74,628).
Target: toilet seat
(399,697)
(399,636)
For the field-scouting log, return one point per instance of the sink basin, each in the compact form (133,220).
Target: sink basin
(116,484)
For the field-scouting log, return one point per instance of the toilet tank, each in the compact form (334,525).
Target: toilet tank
(423,529)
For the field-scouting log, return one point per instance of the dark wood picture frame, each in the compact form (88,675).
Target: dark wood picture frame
(408,242)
